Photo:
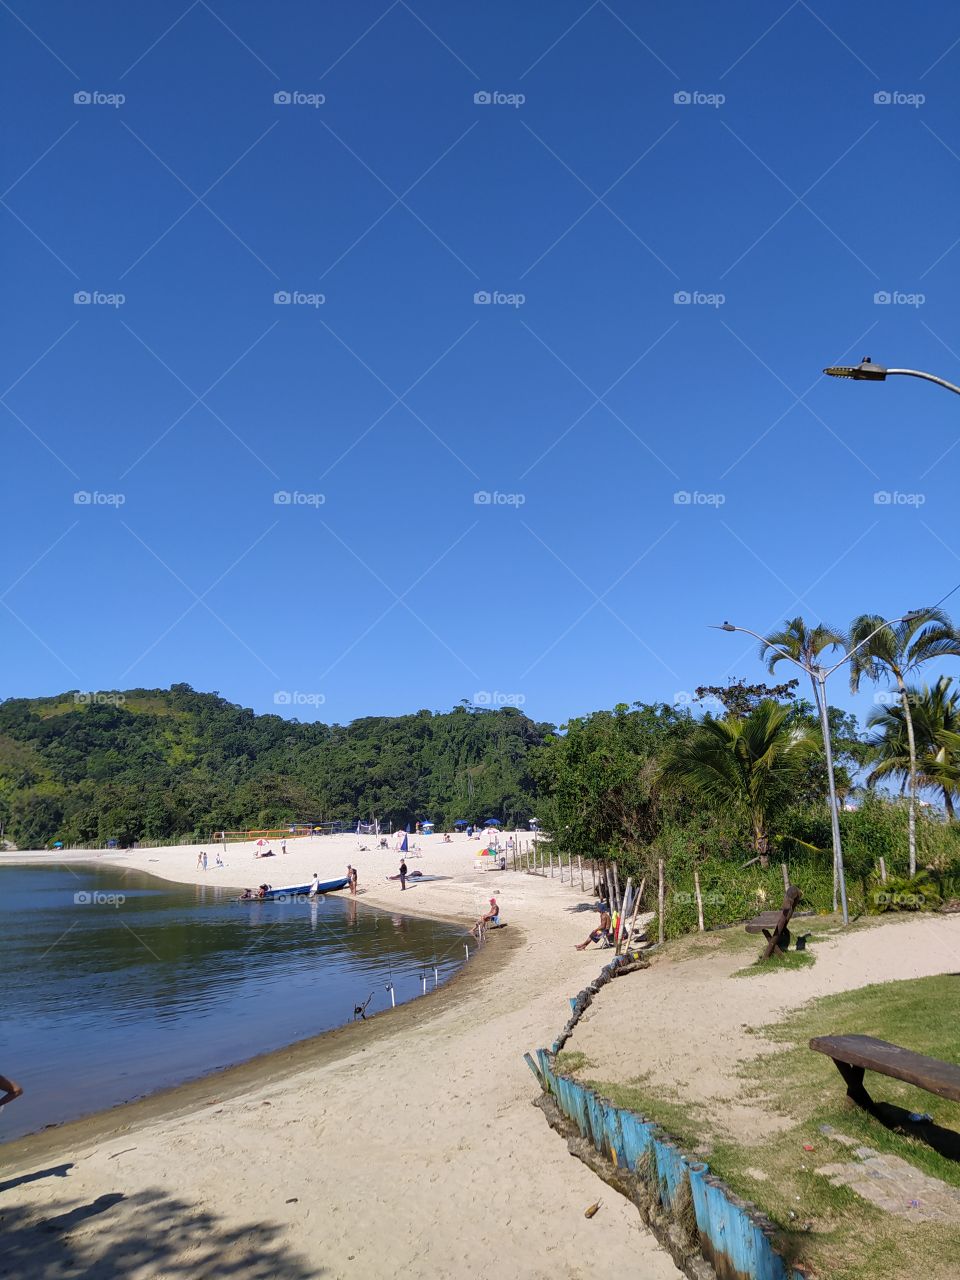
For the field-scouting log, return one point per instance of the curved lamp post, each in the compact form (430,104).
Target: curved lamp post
(820,675)
(867,371)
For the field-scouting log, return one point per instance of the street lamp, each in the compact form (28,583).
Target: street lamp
(820,675)
(867,371)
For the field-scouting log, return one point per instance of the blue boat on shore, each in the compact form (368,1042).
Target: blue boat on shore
(293,892)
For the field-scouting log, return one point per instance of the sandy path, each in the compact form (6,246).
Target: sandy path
(415,1151)
(686,1023)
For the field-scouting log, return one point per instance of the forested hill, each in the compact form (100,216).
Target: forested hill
(151,764)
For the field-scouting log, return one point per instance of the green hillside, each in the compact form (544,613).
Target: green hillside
(154,764)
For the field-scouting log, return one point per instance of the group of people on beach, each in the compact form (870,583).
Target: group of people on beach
(202,860)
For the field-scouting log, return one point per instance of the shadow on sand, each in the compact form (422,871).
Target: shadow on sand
(149,1234)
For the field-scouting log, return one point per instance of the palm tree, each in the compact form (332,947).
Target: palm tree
(802,645)
(752,764)
(892,653)
(936,729)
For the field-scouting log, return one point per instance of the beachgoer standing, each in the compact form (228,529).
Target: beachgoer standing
(283,846)
(403,874)
(353,881)
(315,887)
(203,857)
(199,861)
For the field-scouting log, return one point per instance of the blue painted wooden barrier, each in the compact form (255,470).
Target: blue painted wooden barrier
(731,1236)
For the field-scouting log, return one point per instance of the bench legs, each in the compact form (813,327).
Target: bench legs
(778,943)
(853,1079)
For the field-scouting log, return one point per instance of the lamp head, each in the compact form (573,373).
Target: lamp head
(728,626)
(865,371)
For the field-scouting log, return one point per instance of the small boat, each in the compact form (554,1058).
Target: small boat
(292,892)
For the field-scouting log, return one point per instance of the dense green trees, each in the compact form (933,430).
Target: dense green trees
(748,765)
(154,764)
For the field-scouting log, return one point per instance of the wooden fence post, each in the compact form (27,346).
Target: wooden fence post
(786,876)
(883,871)
(696,886)
(620,922)
(580,866)
(660,900)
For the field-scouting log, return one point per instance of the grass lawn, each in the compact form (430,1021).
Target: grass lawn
(832,1230)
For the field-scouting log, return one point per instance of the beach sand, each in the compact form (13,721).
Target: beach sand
(407,1144)
(690,1025)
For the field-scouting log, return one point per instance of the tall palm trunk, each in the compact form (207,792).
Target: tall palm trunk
(822,714)
(911,743)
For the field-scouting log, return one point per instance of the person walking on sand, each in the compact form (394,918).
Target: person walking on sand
(199,861)
(203,858)
(283,845)
(403,874)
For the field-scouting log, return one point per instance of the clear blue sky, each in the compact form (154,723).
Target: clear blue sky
(599,197)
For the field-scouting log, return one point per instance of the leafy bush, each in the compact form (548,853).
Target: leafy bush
(903,893)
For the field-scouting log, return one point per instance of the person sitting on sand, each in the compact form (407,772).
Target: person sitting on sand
(601,931)
(490,918)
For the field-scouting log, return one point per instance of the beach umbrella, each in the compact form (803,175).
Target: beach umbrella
(261,842)
(493,822)
(461,822)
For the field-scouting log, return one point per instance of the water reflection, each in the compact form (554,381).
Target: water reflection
(150,983)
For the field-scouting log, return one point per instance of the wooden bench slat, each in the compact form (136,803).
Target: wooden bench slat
(941,1078)
(770,919)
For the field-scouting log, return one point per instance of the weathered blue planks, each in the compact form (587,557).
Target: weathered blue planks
(736,1240)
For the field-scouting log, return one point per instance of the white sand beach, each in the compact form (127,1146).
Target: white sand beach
(404,1145)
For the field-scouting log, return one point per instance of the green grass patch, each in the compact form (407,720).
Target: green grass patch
(569,1061)
(832,1230)
(789,960)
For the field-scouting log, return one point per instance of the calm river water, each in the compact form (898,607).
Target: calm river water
(116,984)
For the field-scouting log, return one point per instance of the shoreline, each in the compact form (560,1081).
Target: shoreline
(272,1067)
(416,1127)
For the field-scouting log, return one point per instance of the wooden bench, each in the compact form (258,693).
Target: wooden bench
(852,1055)
(773,924)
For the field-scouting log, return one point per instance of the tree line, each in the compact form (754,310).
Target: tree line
(735,783)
